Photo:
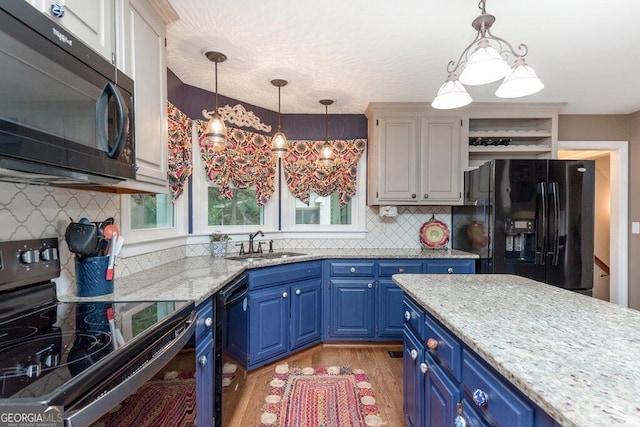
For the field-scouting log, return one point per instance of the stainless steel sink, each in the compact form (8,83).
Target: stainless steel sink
(264,255)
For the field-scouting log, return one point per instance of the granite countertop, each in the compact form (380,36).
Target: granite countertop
(576,357)
(197,278)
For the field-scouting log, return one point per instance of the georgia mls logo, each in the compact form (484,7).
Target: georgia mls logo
(30,416)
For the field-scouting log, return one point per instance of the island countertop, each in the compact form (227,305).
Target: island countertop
(197,278)
(576,357)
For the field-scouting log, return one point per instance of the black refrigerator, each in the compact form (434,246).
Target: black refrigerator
(533,218)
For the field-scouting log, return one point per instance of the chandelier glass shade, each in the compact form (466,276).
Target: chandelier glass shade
(484,61)
(327,158)
(279,143)
(215,134)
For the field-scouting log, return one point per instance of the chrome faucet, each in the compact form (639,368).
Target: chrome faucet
(251,237)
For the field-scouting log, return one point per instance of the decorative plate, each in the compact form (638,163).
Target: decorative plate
(434,233)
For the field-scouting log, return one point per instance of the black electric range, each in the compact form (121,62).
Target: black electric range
(81,358)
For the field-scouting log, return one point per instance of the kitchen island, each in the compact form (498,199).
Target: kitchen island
(575,357)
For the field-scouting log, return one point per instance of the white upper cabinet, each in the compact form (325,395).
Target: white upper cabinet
(414,156)
(92,21)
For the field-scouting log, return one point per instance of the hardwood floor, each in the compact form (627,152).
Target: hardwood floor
(384,372)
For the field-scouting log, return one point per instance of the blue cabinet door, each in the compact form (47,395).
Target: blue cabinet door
(268,323)
(204,363)
(413,385)
(306,304)
(440,397)
(352,308)
(390,311)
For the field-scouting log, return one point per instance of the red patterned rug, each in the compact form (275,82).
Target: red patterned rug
(167,400)
(324,397)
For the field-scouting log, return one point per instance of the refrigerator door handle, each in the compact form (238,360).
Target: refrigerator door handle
(541,223)
(556,218)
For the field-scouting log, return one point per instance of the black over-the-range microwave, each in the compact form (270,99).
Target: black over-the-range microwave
(66,113)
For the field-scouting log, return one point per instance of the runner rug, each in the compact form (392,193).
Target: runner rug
(167,400)
(324,397)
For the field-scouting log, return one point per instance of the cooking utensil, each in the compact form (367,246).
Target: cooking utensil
(114,239)
(434,233)
(109,230)
(82,239)
(119,244)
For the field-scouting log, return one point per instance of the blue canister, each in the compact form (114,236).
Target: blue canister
(91,276)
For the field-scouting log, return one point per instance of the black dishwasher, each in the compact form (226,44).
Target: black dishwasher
(230,347)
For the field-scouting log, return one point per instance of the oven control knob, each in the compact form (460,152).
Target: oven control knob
(208,322)
(29,256)
(49,254)
(33,371)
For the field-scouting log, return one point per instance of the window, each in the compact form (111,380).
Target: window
(151,211)
(241,210)
(323,211)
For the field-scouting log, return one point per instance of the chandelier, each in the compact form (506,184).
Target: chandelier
(483,61)
(215,133)
(279,141)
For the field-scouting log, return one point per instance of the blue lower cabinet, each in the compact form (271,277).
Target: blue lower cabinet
(450,266)
(204,363)
(413,385)
(268,323)
(390,311)
(306,314)
(441,396)
(352,308)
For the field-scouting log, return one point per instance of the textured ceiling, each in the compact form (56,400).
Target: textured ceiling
(360,51)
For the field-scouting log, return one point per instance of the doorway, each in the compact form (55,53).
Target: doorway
(616,251)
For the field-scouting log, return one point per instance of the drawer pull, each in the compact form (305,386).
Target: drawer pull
(407,316)
(352,270)
(414,354)
(480,397)
(202,360)
(450,270)
(432,344)
(285,295)
(369,285)
(401,270)
(208,322)
(298,292)
(424,368)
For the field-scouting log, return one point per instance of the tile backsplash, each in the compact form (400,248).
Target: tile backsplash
(33,211)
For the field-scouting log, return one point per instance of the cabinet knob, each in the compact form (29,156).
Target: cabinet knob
(401,270)
(424,368)
(426,196)
(414,354)
(202,360)
(208,322)
(413,196)
(369,285)
(432,344)
(352,270)
(460,420)
(407,315)
(285,295)
(57,10)
(480,397)
(298,292)
(450,270)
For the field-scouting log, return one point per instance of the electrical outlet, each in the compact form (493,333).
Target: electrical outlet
(635,227)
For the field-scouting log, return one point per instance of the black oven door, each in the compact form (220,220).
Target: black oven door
(56,110)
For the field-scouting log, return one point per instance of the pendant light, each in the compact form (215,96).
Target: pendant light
(326,159)
(483,61)
(279,141)
(215,133)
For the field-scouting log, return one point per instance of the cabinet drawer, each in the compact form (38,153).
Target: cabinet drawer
(450,266)
(413,317)
(504,405)
(447,349)
(387,269)
(352,269)
(269,276)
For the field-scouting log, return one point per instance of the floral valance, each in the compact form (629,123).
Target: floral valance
(246,162)
(303,174)
(180,157)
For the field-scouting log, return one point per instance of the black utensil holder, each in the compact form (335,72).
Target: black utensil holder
(91,276)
